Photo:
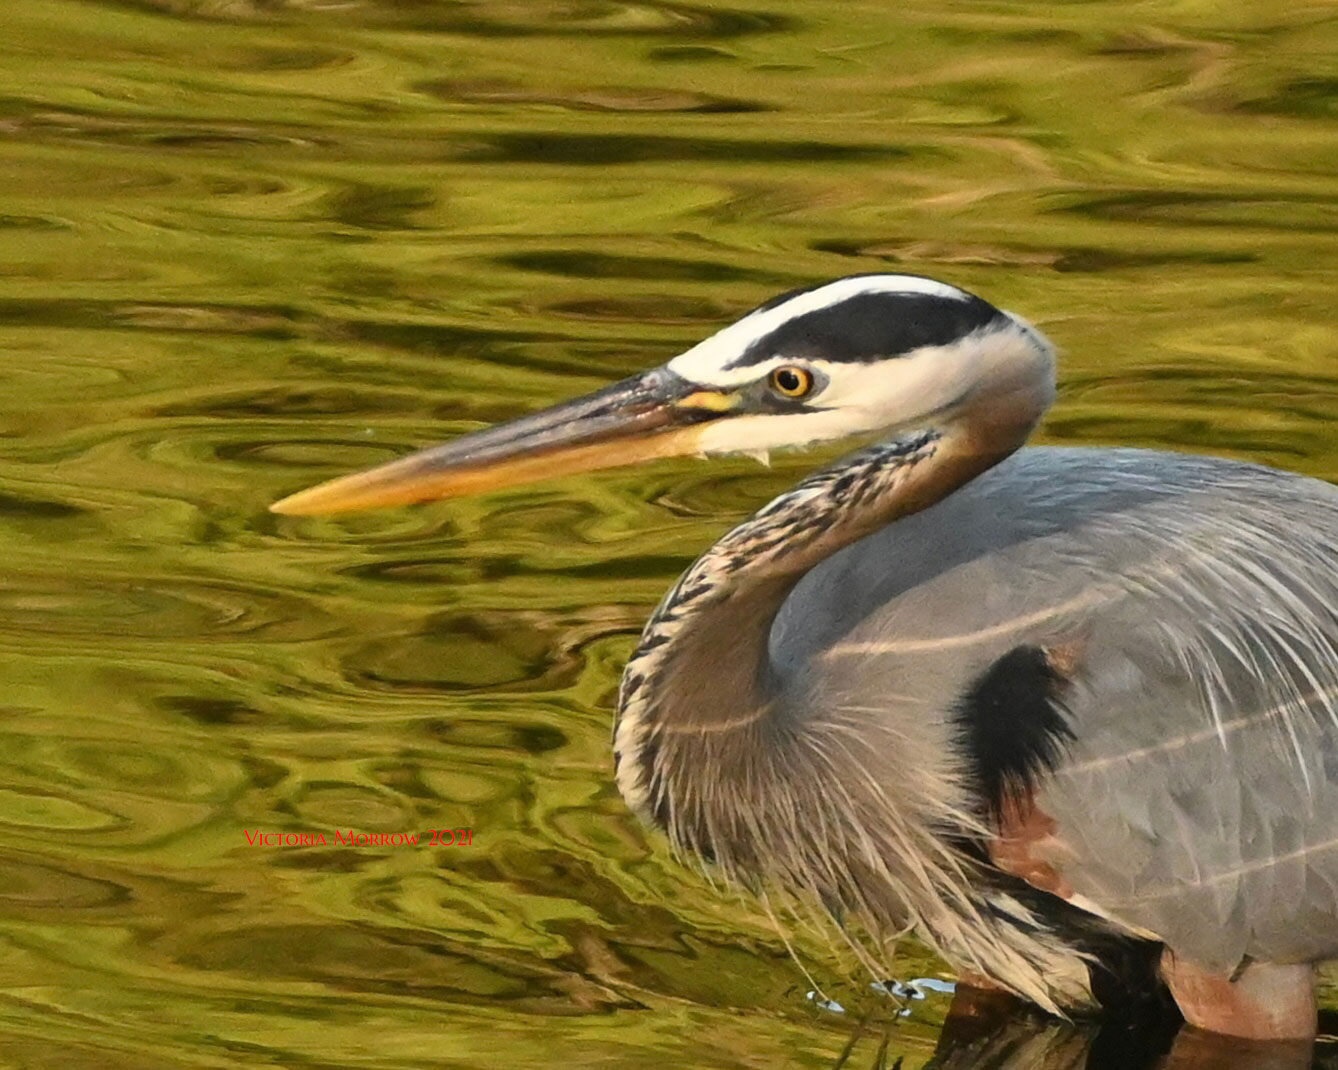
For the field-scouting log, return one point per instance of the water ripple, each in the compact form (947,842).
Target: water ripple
(250,244)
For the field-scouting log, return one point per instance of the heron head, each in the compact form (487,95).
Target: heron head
(861,354)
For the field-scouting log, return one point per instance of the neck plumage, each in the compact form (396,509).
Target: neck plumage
(777,790)
(697,688)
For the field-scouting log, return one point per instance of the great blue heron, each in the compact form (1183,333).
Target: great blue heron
(1069,713)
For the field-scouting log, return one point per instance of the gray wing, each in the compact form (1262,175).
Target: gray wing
(1198,798)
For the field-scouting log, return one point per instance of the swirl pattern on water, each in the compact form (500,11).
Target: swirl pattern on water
(247,244)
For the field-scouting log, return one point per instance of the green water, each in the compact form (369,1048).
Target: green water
(249,244)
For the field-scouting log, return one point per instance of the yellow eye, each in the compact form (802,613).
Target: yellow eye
(791,382)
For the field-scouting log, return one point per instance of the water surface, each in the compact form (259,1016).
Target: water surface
(249,244)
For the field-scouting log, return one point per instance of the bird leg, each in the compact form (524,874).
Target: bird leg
(1264,1001)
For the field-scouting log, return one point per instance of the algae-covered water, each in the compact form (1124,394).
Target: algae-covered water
(249,244)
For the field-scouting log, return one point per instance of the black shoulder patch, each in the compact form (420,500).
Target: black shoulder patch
(872,326)
(1013,725)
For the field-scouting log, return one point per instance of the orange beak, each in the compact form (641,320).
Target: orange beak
(656,414)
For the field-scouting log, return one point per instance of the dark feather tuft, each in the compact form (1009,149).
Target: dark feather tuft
(1013,725)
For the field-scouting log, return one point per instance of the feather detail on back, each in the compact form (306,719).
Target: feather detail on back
(1201,779)
(829,761)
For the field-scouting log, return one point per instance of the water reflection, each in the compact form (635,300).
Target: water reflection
(991,1031)
(1008,1037)
(249,244)
(1030,1046)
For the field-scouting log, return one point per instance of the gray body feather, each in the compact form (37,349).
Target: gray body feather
(1198,800)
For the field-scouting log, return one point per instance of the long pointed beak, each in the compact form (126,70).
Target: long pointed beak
(656,414)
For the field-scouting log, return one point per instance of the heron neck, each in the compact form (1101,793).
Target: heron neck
(701,679)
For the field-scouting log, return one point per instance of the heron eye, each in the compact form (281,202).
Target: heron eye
(791,382)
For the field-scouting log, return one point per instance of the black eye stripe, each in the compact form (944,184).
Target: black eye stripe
(872,326)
